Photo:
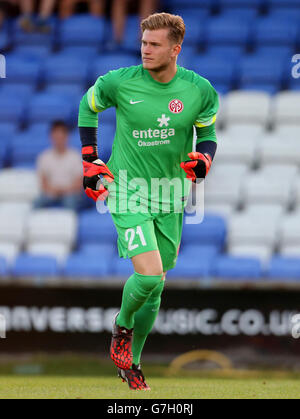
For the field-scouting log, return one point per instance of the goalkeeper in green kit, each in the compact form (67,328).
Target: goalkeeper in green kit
(158,104)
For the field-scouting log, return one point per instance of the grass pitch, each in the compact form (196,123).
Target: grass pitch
(162,388)
(77,378)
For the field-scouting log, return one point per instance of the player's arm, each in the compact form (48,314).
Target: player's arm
(94,101)
(201,160)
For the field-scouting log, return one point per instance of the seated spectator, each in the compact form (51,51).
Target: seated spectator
(2,18)
(4,39)
(120,11)
(60,172)
(5,9)
(67,7)
(41,24)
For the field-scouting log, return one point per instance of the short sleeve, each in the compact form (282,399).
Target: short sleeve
(209,105)
(102,95)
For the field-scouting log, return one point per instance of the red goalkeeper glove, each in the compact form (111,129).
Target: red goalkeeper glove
(93,168)
(198,167)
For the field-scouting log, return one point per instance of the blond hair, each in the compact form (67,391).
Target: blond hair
(174,23)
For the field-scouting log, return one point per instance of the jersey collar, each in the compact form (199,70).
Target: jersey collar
(158,83)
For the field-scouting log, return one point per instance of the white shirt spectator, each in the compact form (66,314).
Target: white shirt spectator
(60,169)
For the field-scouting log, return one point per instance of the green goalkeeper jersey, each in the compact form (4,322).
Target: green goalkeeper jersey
(155,124)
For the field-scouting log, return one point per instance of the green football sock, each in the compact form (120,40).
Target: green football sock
(136,291)
(144,320)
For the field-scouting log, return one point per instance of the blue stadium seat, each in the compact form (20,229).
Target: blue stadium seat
(6,133)
(73,91)
(259,70)
(222,88)
(84,52)
(12,110)
(5,39)
(280,53)
(23,70)
(283,3)
(83,264)
(199,251)
(3,267)
(294,84)
(33,52)
(132,40)
(285,13)
(22,91)
(62,68)
(189,267)
(284,268)
(7,129)
(202,14)
(215,69)
(98,250)
(96,228)
(248,14)
(28,265)
(212,231)
(270,88)
(3,153)
(82,30)
(106,138)
(173,5)
(74,140)
(276,31)
(229,267)
(47,107)
(194,261)
(34,38)
(255,4)
(195,28)
(121,267)
(38,129)
(228,31)
(108,62)
(226,52)
(25,148)
(186,55)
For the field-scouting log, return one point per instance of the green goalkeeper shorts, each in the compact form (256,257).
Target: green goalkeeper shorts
(140,233)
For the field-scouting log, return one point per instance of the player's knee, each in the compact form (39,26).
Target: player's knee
(149,282)
(151,269)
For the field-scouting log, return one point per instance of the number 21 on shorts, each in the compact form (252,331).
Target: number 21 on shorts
(130,234)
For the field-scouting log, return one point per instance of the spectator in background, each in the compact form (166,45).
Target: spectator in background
(6,8)
(66,7)
(2,17)
(4,38)
(41,24)
(60,172)
(120,11)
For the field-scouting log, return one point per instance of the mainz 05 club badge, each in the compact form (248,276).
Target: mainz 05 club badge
(176,106)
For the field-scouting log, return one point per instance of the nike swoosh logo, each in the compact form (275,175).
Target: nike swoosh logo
(135,102)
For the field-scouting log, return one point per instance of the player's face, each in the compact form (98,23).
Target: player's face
(59,139)
(158,52)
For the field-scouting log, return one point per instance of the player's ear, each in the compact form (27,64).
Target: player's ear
(176,50)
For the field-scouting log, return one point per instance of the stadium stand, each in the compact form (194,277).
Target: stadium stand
(35,266)
(251,229)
